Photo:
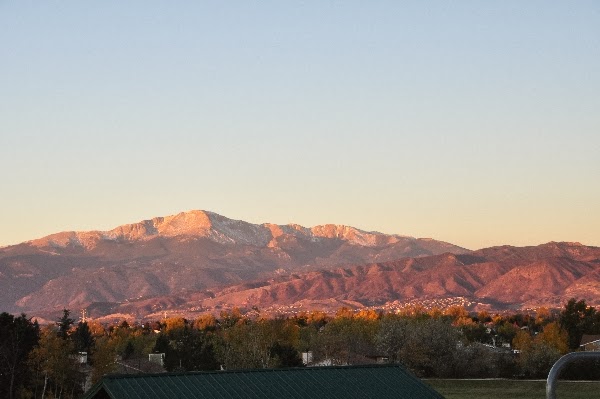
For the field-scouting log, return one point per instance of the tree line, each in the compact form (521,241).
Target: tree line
(44,362)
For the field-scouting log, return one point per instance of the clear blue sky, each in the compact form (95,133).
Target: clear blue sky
(471,122)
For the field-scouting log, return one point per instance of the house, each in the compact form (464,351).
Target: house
(158,358)
(82,357)
(347,382)
(590,342)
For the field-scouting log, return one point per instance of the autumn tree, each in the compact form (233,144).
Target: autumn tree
(458,314)
(309,325)
(186,348)
(505,332)
(260,343)
(391,336)
(206,322)
(539,353)
(230,318)
(543,316)
(346,339)
(555,337)
(285,346)
(430,346)
(96,328)
(54,366)
(247,344)
(475,332)
(174,324)
(537,359)
(522,340)
(103,358)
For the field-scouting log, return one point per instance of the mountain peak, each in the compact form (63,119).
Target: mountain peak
(183,223)
(220,229)
(353,235)
(195,222)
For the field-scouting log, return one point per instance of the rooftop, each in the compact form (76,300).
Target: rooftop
(347,382)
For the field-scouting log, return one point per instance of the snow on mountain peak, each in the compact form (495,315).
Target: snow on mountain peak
(353,235)
(218,228)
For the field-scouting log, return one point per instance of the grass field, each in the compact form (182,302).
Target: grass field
(513,389)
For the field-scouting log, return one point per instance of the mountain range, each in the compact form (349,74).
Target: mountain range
(200,261)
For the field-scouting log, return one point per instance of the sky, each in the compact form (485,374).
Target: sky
(476,123)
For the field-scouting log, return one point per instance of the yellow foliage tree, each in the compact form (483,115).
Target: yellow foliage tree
(415,310)
(344,312)
(540,354)
(205,322)
(542,315)
(367,314)
(522,340)
(554,337)
(457,312)
(174,323)
(318,317)
(54,366)
(103,358)
(483,316)
(96,328)
(435,312)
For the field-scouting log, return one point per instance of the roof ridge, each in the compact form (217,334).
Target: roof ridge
(307,368)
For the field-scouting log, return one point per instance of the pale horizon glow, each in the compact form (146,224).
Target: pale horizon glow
(472,123)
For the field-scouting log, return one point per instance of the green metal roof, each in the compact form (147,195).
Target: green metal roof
(347,382)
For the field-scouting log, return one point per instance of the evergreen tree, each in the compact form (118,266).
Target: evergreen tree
(64,324)
(83,339)
(18,336)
